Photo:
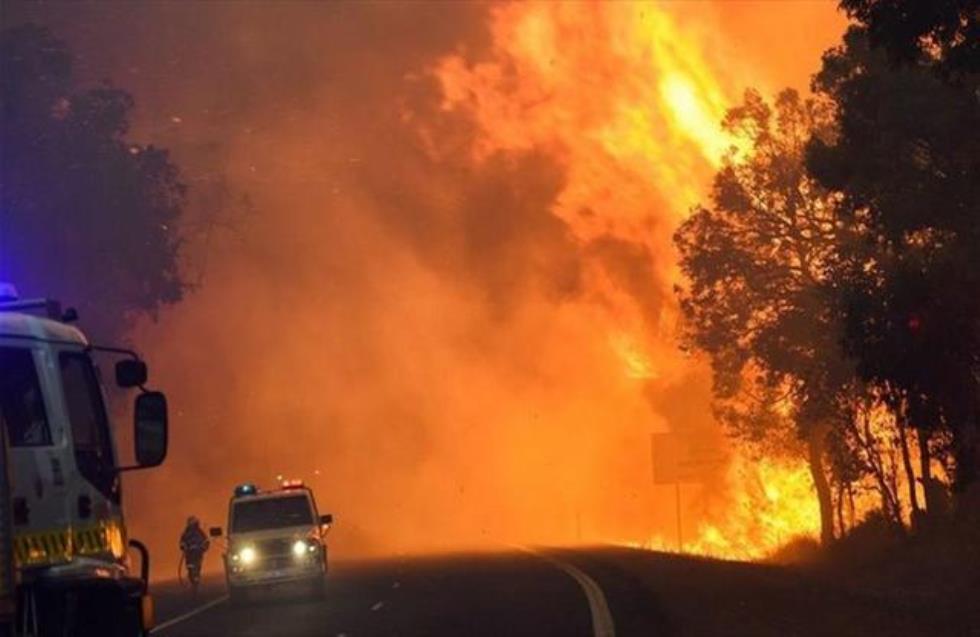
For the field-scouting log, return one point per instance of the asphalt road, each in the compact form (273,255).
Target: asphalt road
(553,592)
(473,594)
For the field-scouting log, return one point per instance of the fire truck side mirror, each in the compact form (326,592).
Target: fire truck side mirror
(130,372)
(326,519)
(214,531)
(150,428)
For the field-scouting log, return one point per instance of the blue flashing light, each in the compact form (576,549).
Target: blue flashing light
(246,489)
(7,292)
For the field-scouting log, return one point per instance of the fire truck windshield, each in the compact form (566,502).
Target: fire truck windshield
(89,422)
(21,401)
(271,513)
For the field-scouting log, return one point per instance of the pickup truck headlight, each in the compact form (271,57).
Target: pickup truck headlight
(245,555)
(301,548)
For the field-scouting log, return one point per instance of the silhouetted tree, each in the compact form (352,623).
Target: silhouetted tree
(948,31)
(85,215)
(759,263)
(904,158)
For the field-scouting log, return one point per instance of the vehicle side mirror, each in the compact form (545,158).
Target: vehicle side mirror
(151,429)
(326,519)
(214,531)
(131,372)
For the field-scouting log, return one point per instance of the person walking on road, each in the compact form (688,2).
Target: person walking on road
(194,544)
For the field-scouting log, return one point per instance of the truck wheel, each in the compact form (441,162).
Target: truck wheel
(106,612)
(53,607)
(132,620)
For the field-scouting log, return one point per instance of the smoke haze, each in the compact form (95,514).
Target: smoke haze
(431,251)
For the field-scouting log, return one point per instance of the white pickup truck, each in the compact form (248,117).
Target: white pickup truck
(275,537)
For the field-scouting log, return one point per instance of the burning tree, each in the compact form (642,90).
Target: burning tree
(771,269)
(833,281)
(759,301)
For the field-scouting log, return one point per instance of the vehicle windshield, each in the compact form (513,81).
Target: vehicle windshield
(271,513)
(89,422)
(21,401)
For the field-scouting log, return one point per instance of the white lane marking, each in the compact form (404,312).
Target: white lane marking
(602,621)
(378,606)
(191,613)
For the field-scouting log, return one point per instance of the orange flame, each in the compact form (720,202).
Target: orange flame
(630,97)
(771,504)
(623,95)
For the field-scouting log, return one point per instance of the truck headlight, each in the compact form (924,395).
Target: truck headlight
(300,548)
(246,555)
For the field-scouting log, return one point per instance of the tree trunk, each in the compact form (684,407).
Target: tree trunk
(815,447)
(966,453)
(876,464)
(841,526)
(925,469)
(903,439)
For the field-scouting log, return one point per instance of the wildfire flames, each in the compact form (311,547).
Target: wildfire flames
(772,504)
(626,101)
(631,99)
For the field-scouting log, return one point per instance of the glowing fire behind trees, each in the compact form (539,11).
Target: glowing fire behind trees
(631,100)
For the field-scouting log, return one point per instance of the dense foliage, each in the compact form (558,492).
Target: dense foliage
(86,216)
(834,281)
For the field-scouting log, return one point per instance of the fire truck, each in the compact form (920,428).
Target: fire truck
(66,561)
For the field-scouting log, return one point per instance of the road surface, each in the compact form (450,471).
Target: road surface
(583,592)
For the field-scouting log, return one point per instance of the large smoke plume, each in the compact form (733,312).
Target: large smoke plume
(421,285)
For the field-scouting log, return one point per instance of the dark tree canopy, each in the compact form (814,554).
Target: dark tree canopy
(947,29)
(86,216)
(906,163)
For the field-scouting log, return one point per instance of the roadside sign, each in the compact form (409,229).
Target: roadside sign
(679,457)
(682,457)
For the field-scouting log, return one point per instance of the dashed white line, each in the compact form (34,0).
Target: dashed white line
(191,613)
(378,606)
(602,621)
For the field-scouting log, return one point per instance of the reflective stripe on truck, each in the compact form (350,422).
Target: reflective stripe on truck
(57,546)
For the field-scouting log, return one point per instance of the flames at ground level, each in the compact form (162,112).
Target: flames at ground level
(770,503)
(630,97)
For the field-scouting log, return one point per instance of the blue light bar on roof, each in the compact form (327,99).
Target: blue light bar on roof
(246,489)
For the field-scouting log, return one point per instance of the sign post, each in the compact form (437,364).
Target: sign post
(681,458)
(677,500)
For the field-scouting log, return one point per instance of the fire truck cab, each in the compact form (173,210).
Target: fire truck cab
(274,537)
(70,544)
